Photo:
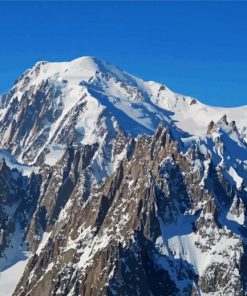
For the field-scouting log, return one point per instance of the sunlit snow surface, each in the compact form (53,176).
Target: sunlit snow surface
(12,163)
(13,263)
(10,277)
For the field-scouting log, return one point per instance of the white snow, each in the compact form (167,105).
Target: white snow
(237,179)
(10,277)
(87,121)
(181,242)
(12,163)
(56,153)
(43,242)
(194,117)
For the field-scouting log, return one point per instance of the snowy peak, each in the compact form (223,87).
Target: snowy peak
(75,71)
(224,129)
(222,124)
(53,104)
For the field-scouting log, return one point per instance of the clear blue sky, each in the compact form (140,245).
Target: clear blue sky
(195,48)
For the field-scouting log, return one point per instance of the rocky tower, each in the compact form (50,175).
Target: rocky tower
(112,196)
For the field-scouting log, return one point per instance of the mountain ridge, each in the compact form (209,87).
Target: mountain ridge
(110,185)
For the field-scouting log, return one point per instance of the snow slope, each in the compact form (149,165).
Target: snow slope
(11,276)
(12,163)
(139,106)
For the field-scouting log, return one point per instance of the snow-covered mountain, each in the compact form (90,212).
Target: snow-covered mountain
(110,185)
(55,103)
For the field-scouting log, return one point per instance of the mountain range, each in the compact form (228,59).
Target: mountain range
(111,185)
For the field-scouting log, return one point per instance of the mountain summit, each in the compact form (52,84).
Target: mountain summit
(111,185)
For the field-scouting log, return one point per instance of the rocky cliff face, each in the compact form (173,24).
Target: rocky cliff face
(118,204)
(18,200)
(151,229)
